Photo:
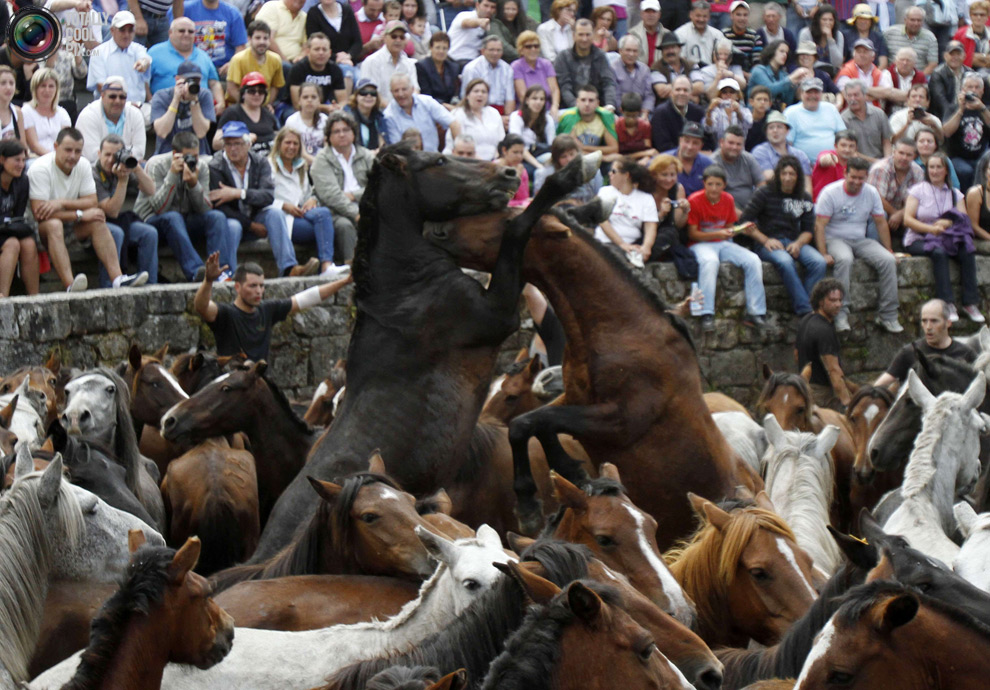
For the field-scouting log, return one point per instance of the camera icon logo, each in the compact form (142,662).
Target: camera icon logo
(34,33)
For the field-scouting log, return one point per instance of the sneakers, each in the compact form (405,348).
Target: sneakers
(892,326)
(953,314)
(757,321)
(136,280)
(225,277)
(973,314)
(336,272)
(79,283)
(708,323)
(842,323)
(310,268)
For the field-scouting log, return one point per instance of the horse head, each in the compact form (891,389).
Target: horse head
(154,389)
(788,398)
(467,564)
(866,410)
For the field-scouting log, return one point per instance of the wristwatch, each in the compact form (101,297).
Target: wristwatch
(78,214)
(243,194)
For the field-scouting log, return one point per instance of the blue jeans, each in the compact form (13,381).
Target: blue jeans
(796,23)
(316,225)
(940,268)
(118,239)
(965,170)
(814,270)
(278,238)
(144,237)
(709,254)
(157,31)
(177,230)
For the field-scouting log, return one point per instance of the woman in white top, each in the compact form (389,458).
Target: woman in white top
(309,121)
(557,33)
(479,120)
(632,227)
(43,116)
(306,220)
(534,124)
(11,117)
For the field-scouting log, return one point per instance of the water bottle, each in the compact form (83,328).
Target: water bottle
(696,306)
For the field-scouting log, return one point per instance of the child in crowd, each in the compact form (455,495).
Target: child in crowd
(510,153)
(309,121)
(418,38)
(726,110)
(633,131)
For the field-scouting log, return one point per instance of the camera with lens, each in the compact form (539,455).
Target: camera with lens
(675,203)
(919,113)
(970,97)
(191,160)
(125,158)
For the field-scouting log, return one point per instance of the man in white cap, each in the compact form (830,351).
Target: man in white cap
(390,59)
(813,123)
(650,32)
(746,43)
(123,56)
(776,147)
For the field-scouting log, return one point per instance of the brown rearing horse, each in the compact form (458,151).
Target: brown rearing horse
(788,397)
(161,614)
(212,491)
(44,380)
(746,574)
(320,412)
(867,408)
(632,382)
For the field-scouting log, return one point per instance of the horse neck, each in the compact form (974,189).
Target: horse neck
(314,551)
(140,660)
(946,649)
(272,431)
(394,258)
(930,475)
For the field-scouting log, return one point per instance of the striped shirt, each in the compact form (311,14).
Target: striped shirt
(744,47)
(924,44)
(156,7)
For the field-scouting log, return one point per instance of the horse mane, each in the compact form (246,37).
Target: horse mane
(301,425)
(404,678)
(982,360)
(705,563)
(478,635)
(951,365)
(783,378)
(26,557)
(599,486)
(920,468)
(143,588)
(881,392)
(533,652)
(125,446)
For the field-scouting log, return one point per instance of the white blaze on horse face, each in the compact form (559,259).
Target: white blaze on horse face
(819,650)
(495,387)
(786,396)
(682,610)
(321,390)
(681,678)
(222,377)
(390,494)
(788,552)
(174,382)
(871,412)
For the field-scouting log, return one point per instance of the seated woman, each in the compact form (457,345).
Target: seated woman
(672,211)
(562,151)
(438,75)
(926,235)
(772,73)
(508,23)
(306,220)
(366,108)
(17,243)
(720,68)
(784,216)
(309,121)
(510,153)
(632,227)
(533,123)
(479,120)
(44,118)
(710,233)
(531,69)
(927,143)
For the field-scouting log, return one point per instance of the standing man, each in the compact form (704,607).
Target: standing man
(112,114)
(743,173)
(287,22)
(123,57)
(409,109)
(584,64)
(893,177)
(256,58)
(496,72)
(776,147)
(590,124)
(150,24)
(186,107)
(913,34)
(391,59)
(813,123)
(317,68)
(649,33)
(63,197)
(868,122)
(935,323)
(166,58)
(246,324)
(220,31)
(467,30)
(842,211)
(818,345)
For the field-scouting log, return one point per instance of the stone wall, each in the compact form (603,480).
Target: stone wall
(97,327)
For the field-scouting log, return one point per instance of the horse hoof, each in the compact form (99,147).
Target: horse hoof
(531,520)
(607,206)
(590,165)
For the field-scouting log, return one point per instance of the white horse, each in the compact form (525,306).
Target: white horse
(97,405)
(799,480)
(27,423)
(743,435)
(272,660)
(973,561)
(944,463)
(50,529)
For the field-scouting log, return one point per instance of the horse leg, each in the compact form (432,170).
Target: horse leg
(587,215)
(546,423)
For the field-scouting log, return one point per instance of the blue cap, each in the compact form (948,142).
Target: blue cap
(188,67)
(234,130)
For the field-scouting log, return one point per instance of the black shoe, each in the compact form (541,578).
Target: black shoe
(200,274)
(708,323)
(755,321)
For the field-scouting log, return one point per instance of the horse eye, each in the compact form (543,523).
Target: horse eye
(369,518)
(759,574)
(52,382)
(111,390)
(155,384)
(839,678)
(924,587)
(225,388)
(511,398)
(471,585)
(441,161)
(647,651)
(604,541)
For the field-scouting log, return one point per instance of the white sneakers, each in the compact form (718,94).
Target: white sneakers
(78,284)
(336,272)
(136,280)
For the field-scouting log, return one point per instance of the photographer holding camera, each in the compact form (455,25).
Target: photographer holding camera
(967,129)
(111,114)
(116,166)
(186,107)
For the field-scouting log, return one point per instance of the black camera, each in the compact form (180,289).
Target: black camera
(191,160)
(919,113)
(192,86)
(675,203)
(970,97)
(125,158)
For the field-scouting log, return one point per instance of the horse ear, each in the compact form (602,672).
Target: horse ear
(966,518)
(869,527)
(328,491)
(896,612)
(51,482)
(440,502)
(973,397)
(921,396)
(717,517)
(538,589)
(340,364)
(521,356)
(392,163)
(861,554)
(609,471)
(518,542)
(762,500)
(376,464)
(806,372)
(826,440)
(489,537)
(134,356)
(775,433)
(160,353)
(23,462)
(440,548)
(568,494)
(224,361)
(260,367)
(185,559)
(534,367)
(49,445)
(135,539)
(883,570)
(7,413)
(56,432)
(197,361)
(584,602)
(458,680)
(767,372)
(54,362)
(697,503)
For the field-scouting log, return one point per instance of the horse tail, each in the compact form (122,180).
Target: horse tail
(219,530)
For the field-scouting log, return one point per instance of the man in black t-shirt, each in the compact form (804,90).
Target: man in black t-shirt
(936,341)
(246,324)
(318,69)
(817,345)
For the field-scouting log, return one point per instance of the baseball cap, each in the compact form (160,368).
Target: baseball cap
(235,129)
(864,43)
(952,46)
(779,117)
(692,129)
(728,83)
(738,3)
(812,84)
(114,80)
(806,48)
(363,82)
(394,25)
(253,79)
(190,68)
(649,5)
(123,18)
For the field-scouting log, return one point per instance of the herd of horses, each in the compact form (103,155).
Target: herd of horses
(419,525)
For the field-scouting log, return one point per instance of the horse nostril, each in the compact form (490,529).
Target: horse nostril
(84,417)
(710,680)
(874,454)
(510,172)
(168,423)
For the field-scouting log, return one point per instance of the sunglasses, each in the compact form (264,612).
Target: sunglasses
(367,93)
(531,46)
(256,90)
(117,97)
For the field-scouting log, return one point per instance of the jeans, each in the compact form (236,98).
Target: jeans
(940,267)
(794,22)
(177,229)
(315,226)
(709,254)
(882,261)
(965,171)
(157,30)
(144,237)
(118,239)
(814,270)
(278,238)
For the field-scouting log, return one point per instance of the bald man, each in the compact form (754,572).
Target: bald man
(167,56)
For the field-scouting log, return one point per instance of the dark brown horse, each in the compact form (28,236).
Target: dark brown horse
(867,409)
(195,370)
(211,491)
(631,377)
(511,394)
(426,335)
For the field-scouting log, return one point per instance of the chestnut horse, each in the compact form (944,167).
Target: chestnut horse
(788,398)
(866,410)
(154,390)
(511,394)
(632,383)
(746,574)
(212,491)
(8,439)
(321,409)
(720,402)
(44,380)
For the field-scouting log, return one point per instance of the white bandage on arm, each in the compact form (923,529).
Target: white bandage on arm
(309,297)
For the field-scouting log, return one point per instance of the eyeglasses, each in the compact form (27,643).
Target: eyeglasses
(367,93)
(256,90)
(184,31)
(116,97)
(531,46)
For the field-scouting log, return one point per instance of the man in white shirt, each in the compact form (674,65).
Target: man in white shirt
(111,114)
(125,57)
(467,30)
(390,59)
(496,72)
(697,36)
(63,197)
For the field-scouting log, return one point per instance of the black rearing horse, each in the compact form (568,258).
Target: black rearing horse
(426,337)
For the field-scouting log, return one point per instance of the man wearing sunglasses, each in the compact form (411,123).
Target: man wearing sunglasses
(166,58)
(123,56)
(111,114)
